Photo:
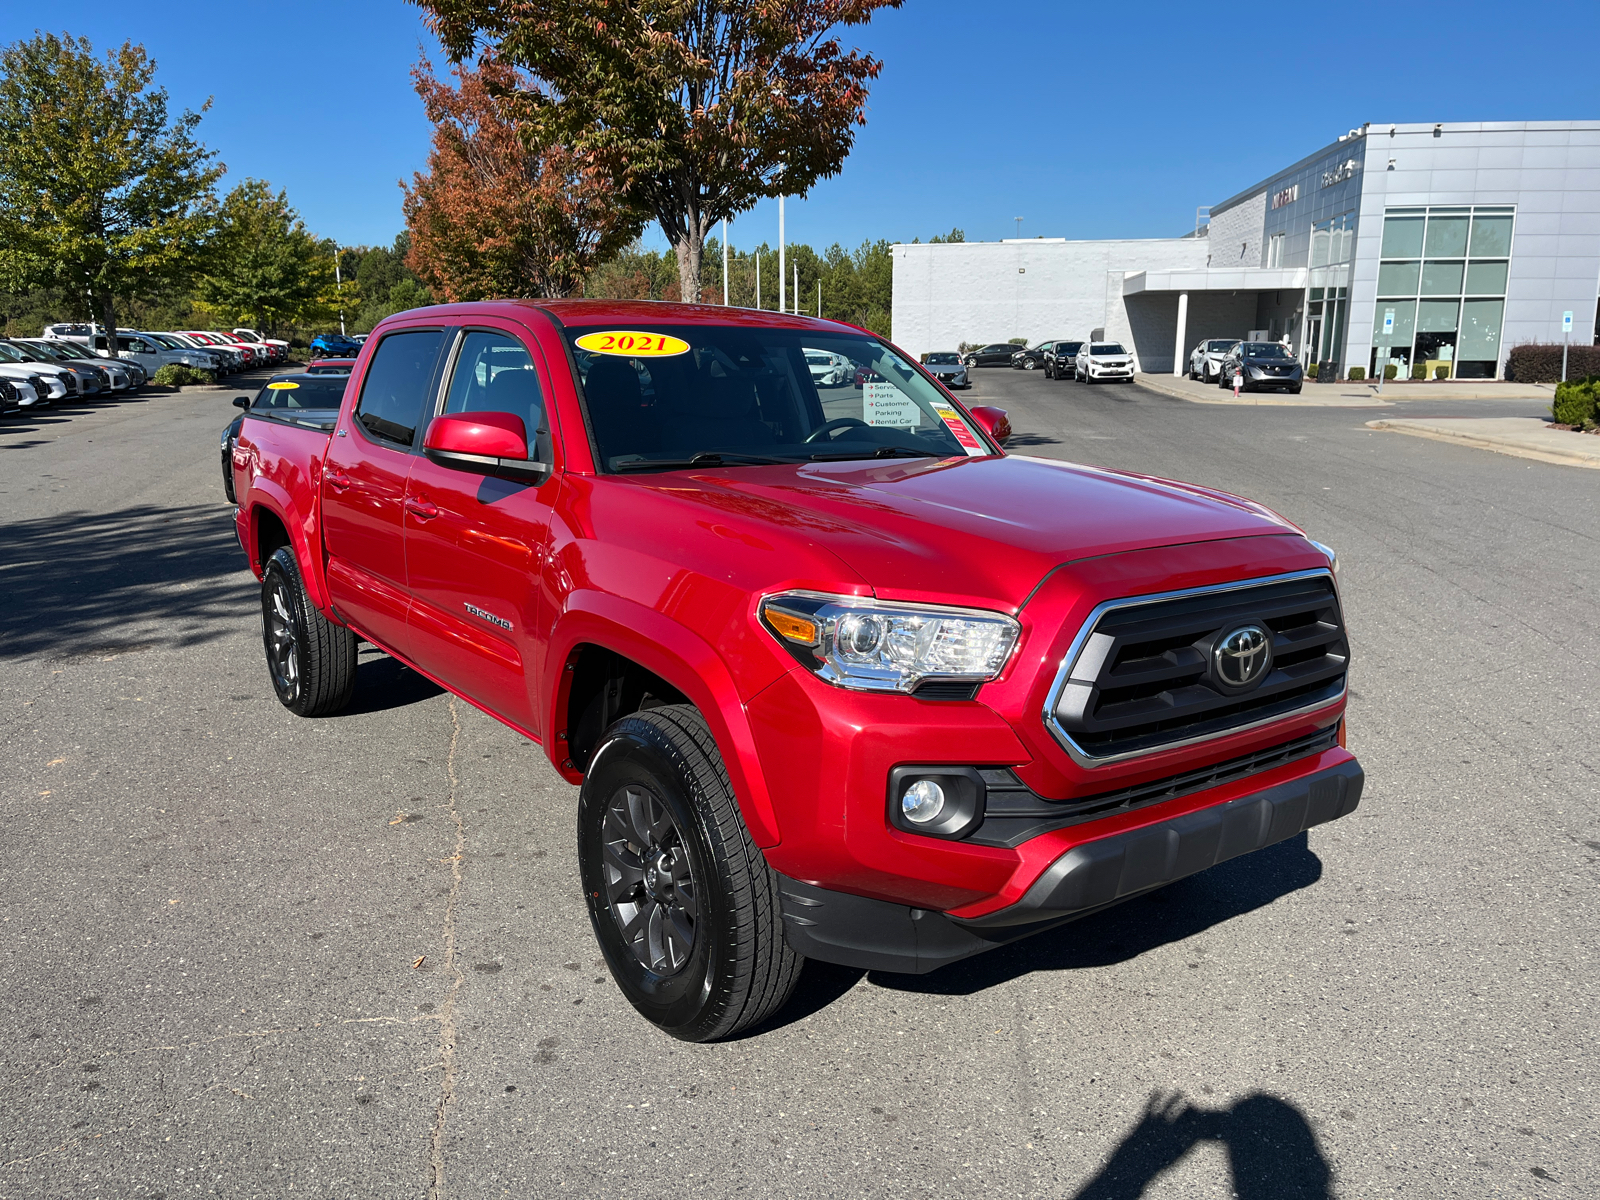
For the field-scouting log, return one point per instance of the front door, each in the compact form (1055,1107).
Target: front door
(364,486)
(475,545)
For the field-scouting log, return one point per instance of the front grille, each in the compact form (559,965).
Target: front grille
(1014,812)
(1142,677)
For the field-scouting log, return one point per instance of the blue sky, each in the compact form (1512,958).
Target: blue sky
(1086,121)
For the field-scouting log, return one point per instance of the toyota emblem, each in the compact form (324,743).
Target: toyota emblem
(1242,657)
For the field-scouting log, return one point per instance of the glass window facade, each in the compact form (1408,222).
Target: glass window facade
(1442,275)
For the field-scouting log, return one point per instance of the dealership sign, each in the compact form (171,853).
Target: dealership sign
(1288,196)
(1345,170)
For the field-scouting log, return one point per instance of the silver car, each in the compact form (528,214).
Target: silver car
(946,366)
(95,375)
(1205,360)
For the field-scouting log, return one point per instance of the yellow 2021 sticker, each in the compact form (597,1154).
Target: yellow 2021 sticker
(283,385)
(633,344)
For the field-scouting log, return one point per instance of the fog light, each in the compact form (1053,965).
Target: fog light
(923,801)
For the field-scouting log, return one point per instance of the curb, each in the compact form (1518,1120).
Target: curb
(1158,383)
(1514,446)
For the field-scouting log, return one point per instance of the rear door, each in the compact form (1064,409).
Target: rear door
(370,458)
(475,545)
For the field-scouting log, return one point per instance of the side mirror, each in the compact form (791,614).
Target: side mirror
(241,401)
(483,443)
(994,421)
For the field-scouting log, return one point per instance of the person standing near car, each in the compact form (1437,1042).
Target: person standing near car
(1238,378)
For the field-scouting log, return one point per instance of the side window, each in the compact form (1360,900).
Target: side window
(397,383)
(493,373)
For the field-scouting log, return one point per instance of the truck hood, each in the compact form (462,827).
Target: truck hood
(980,531)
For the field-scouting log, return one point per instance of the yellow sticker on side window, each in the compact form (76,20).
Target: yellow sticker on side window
(633,344)
(283,385)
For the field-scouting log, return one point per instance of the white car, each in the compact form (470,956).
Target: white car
(280,349)
(828,370)
(51,381)
(1102,360)
(1205,360)
(93,375)
(152,351)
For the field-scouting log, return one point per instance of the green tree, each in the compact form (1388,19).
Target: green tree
(695,109)
(102,194)
(265,269)
(387,284)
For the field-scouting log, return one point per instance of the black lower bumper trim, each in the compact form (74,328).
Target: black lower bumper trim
(877,935)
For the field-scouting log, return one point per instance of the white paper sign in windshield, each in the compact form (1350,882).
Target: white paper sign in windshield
(886,404)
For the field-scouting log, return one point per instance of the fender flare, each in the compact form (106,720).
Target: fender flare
(684,660)
(304,538)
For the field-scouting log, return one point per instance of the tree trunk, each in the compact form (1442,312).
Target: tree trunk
(108,321)
(690,248)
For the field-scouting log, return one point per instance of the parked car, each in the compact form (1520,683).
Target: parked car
(828,370)
(820,704)
(946,366)
(246,354)
(307,398)
(93,376)
(1031,358)
(331,366)
(1096,361)
(50,381)
(996,354)
(152,351)
(1205,360)
(1264,366)
(1058,363)
(334,345)
(278,349)
(231,361)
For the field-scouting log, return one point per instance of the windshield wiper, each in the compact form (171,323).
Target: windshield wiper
(880,452)
(708,459)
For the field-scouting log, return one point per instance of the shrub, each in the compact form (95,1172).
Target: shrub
(1017,341)
(1311,370)
(178,375)
(1441,372)
(1419,370)
(1357,374)
(1540,362)
(1391,371)
(1577,402)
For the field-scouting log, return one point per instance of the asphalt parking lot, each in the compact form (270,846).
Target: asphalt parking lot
(248,955)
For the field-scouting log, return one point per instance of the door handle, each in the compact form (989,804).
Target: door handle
(337,479)
(423,509)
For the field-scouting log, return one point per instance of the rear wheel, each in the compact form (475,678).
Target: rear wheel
(312,661)
(682,901)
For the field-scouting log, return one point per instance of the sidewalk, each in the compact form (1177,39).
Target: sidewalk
(1522,437)
(1349,395)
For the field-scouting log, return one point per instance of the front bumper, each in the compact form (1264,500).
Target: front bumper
(875,935)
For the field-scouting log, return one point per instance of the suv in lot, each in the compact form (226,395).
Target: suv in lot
(1205,360)
(1098,361)
(837,677)
(1262,366)
(1062,359)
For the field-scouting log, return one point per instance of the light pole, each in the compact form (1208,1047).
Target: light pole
(338,286)
(1019,227)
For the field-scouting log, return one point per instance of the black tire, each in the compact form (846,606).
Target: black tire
(311,660)
(700,962)
(1295,390)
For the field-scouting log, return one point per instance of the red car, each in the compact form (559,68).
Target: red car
(330,366)
(836,681)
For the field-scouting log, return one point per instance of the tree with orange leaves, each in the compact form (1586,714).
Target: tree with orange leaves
(695,109)
(497,213)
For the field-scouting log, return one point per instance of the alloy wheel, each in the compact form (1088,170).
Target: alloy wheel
(283,641)
(648,879)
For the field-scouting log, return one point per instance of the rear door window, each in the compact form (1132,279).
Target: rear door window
(398,384)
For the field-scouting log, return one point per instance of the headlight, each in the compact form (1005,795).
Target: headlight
(883,646)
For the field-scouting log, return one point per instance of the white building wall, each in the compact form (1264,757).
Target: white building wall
(1042,288)
(1549,169)
(1235,233)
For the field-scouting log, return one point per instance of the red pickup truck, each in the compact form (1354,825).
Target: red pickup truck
(838,677)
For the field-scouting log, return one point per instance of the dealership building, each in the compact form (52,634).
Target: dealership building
(1430,245)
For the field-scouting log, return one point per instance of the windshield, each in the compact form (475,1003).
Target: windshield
(942,360)
(244,335)
(1219,347)
(167,340)
(747,395)
(1107,348)
(56,350)
(329,368)
(1068,347)
(300,391)
(1264,350)
(11,354)
(36,353)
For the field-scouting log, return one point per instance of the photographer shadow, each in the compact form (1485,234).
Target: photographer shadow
(1272,1150)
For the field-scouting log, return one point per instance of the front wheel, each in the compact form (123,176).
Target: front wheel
(682,901)
(1028,364)
(312,661)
